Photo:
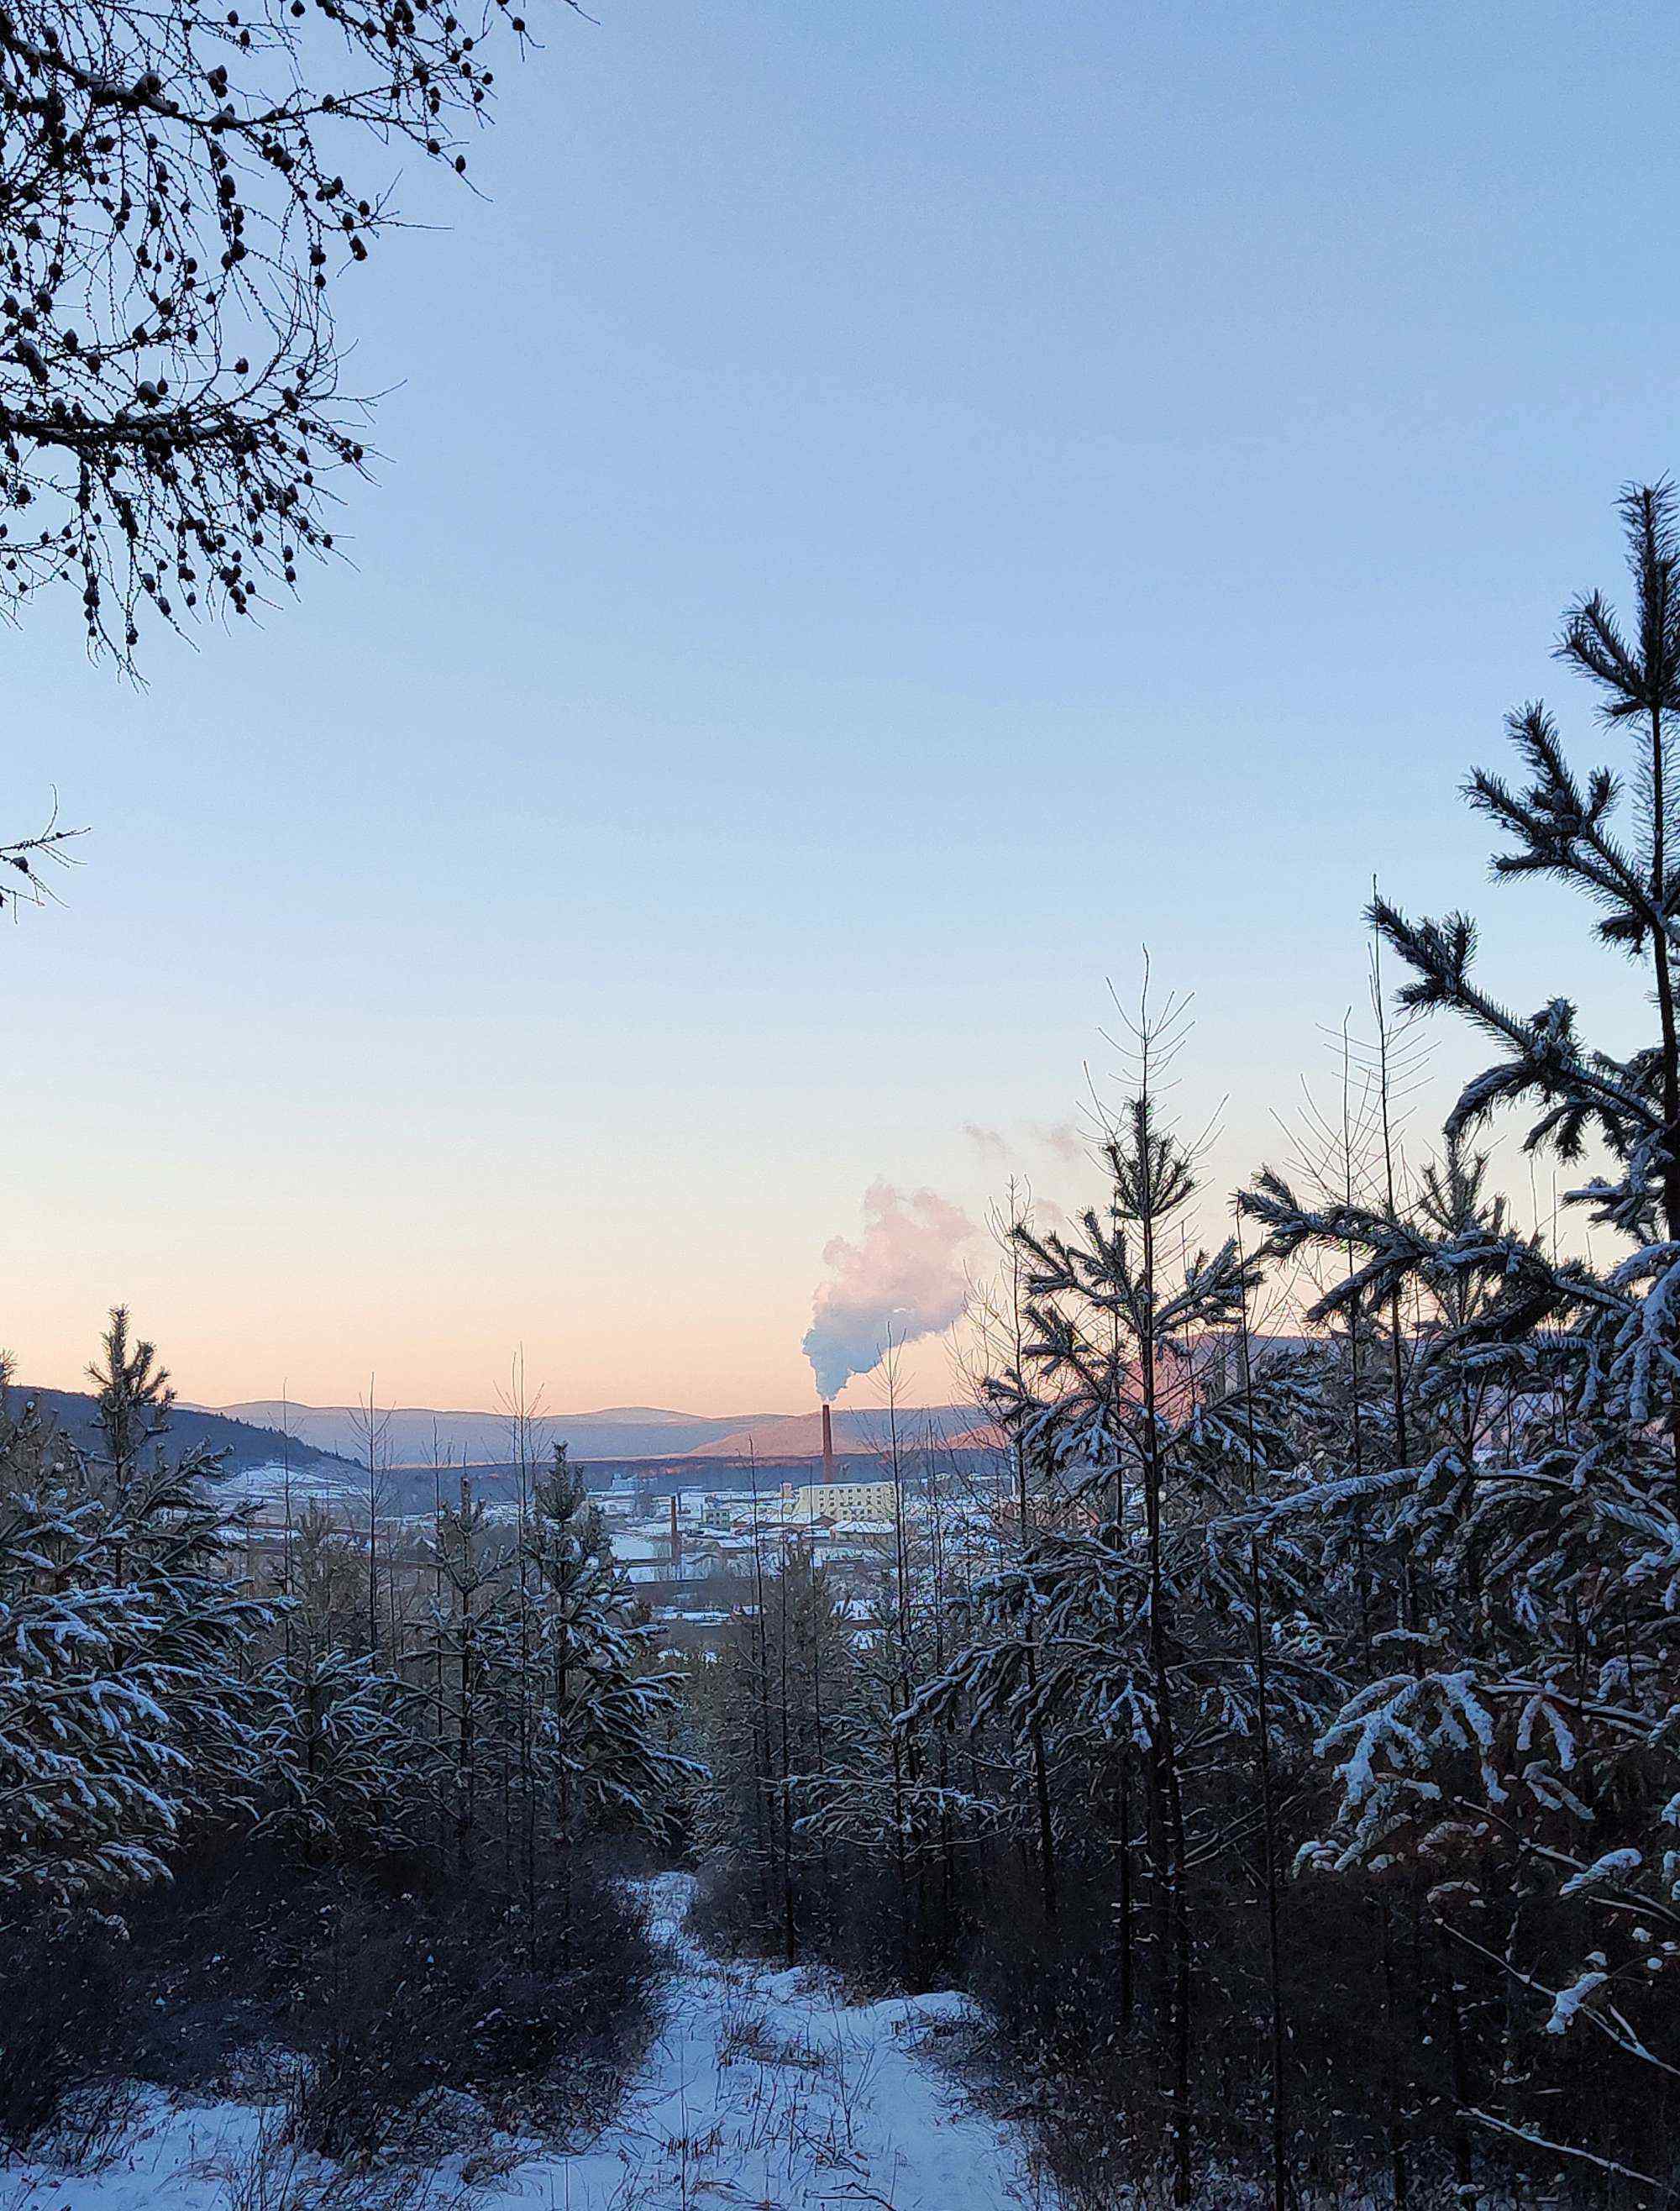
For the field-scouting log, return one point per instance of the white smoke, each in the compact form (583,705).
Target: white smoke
(1064,1142)
(903,1280)
(991,1144)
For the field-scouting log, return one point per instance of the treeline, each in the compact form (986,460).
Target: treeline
(1289,1751)
(237,1758)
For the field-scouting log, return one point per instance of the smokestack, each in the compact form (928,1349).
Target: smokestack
(675,1542)
(828,1446)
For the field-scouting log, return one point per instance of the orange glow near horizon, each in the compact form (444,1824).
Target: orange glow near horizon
(727,1368)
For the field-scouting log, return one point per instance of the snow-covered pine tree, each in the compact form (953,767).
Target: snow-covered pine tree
(1520,1754)
(892,1785)
(125,1710)
(89,1771)
(1124,1630)
(608,1714)
(177,1545)
(881,1788)
(766,1716)
(466,1646)
(348,1761)
(1010,1778)
(727,1699)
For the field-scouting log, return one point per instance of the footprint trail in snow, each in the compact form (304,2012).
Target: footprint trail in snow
(763,2092)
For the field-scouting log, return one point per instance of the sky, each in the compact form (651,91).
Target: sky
(882,513)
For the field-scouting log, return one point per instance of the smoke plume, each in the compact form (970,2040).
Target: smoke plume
(903,1279)
(991,1144)
(1066,1142)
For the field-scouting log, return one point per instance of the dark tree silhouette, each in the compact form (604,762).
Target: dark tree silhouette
(25,861)
(173,224)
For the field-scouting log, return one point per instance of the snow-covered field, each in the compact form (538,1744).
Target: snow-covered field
(268,1486)
(763,2090)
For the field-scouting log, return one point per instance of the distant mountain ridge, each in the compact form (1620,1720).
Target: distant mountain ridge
(415,1435)
(247,1444)
(799,1435)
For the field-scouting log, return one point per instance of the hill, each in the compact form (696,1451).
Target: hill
(416,1435)
(799,1435)
(247,1445)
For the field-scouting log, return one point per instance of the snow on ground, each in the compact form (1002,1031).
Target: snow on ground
(764,2090)
(180,2160)
(761,2092)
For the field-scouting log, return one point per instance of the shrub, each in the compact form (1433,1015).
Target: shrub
(64,1977)
(380,1987)
(466,1990)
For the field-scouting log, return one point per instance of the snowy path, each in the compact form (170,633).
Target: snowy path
(761,2092)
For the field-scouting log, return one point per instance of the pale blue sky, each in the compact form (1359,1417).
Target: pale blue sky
(884,509)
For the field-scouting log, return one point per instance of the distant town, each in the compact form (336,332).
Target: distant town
(695,1531)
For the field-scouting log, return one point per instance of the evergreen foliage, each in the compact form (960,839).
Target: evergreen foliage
(183,1683)
(125,1711)
(1289,1747)
(1283,1735)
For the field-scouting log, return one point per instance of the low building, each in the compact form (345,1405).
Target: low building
(843,1500)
